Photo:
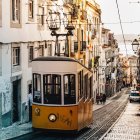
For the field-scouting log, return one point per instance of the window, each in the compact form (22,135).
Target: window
(90,87)
(86,86)
(134,94)
(41,16)
(37,88)
(75,46)
(80,84)
(31,53)
(49,47)
(66,51)
(31,9)
(41,50)
(57,49)
(69,89)
(15,12)
(16,56)
(52,88)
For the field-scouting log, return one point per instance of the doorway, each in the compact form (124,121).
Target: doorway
(16,98)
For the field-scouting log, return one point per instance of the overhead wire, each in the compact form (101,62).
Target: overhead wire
(60,7)
(121,26)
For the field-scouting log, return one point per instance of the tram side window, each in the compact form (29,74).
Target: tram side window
(52,88)
(69,89)
(80,85)
(90,88)
(37,88)
(86,86)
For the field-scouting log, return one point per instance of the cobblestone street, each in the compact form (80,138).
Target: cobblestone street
(128,126)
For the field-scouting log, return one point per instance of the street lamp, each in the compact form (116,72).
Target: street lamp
(54,24)
(135,45)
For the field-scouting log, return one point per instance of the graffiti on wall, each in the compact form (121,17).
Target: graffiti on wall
(5,91)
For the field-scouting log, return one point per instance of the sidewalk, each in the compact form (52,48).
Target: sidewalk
(108,100)
(16,130)
(127,127)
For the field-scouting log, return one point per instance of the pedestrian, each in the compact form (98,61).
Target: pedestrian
(29,104)
(104,98)
(101,98)
(97,98)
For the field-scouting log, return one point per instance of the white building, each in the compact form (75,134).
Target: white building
(24,35)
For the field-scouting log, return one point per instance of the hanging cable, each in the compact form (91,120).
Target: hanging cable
(121,26)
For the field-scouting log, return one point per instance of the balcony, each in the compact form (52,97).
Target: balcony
(75,46)
(93,34)
(83,15)
(83,45)
(72,54)
(74,12)
(68,2)
(96,61)
(90,63)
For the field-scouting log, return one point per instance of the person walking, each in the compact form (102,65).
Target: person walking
(101,98)
(97,98)
(29,103)
(104,98)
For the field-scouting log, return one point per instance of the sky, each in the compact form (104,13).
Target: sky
(129,13)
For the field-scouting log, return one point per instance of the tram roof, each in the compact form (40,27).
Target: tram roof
(58,58)
(54,58)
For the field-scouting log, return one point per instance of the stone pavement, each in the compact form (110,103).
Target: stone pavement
(98,106)
(128,125)
(16,130)
(108,100)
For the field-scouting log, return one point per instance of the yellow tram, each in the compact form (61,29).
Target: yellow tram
(62,94)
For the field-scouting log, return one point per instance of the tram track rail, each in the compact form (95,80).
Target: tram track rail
(103,120)
(98,129)
(112,125)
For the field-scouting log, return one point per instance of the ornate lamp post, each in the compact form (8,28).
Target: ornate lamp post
(54,24)
(135,47)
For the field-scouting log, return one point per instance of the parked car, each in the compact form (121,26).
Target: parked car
(134,96)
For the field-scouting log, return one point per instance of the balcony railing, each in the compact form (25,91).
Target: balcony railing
(75,46)
(90,63)
(83,45)
(93,35)
(83,15)
(74,12)
(68,2)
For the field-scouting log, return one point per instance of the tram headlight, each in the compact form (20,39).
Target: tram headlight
(37,111)
(52,117)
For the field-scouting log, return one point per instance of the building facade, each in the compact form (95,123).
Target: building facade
(27,31)
(24,36)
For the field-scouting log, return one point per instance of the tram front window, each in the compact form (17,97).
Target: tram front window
(52,88)
(69,89)
(37,88)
